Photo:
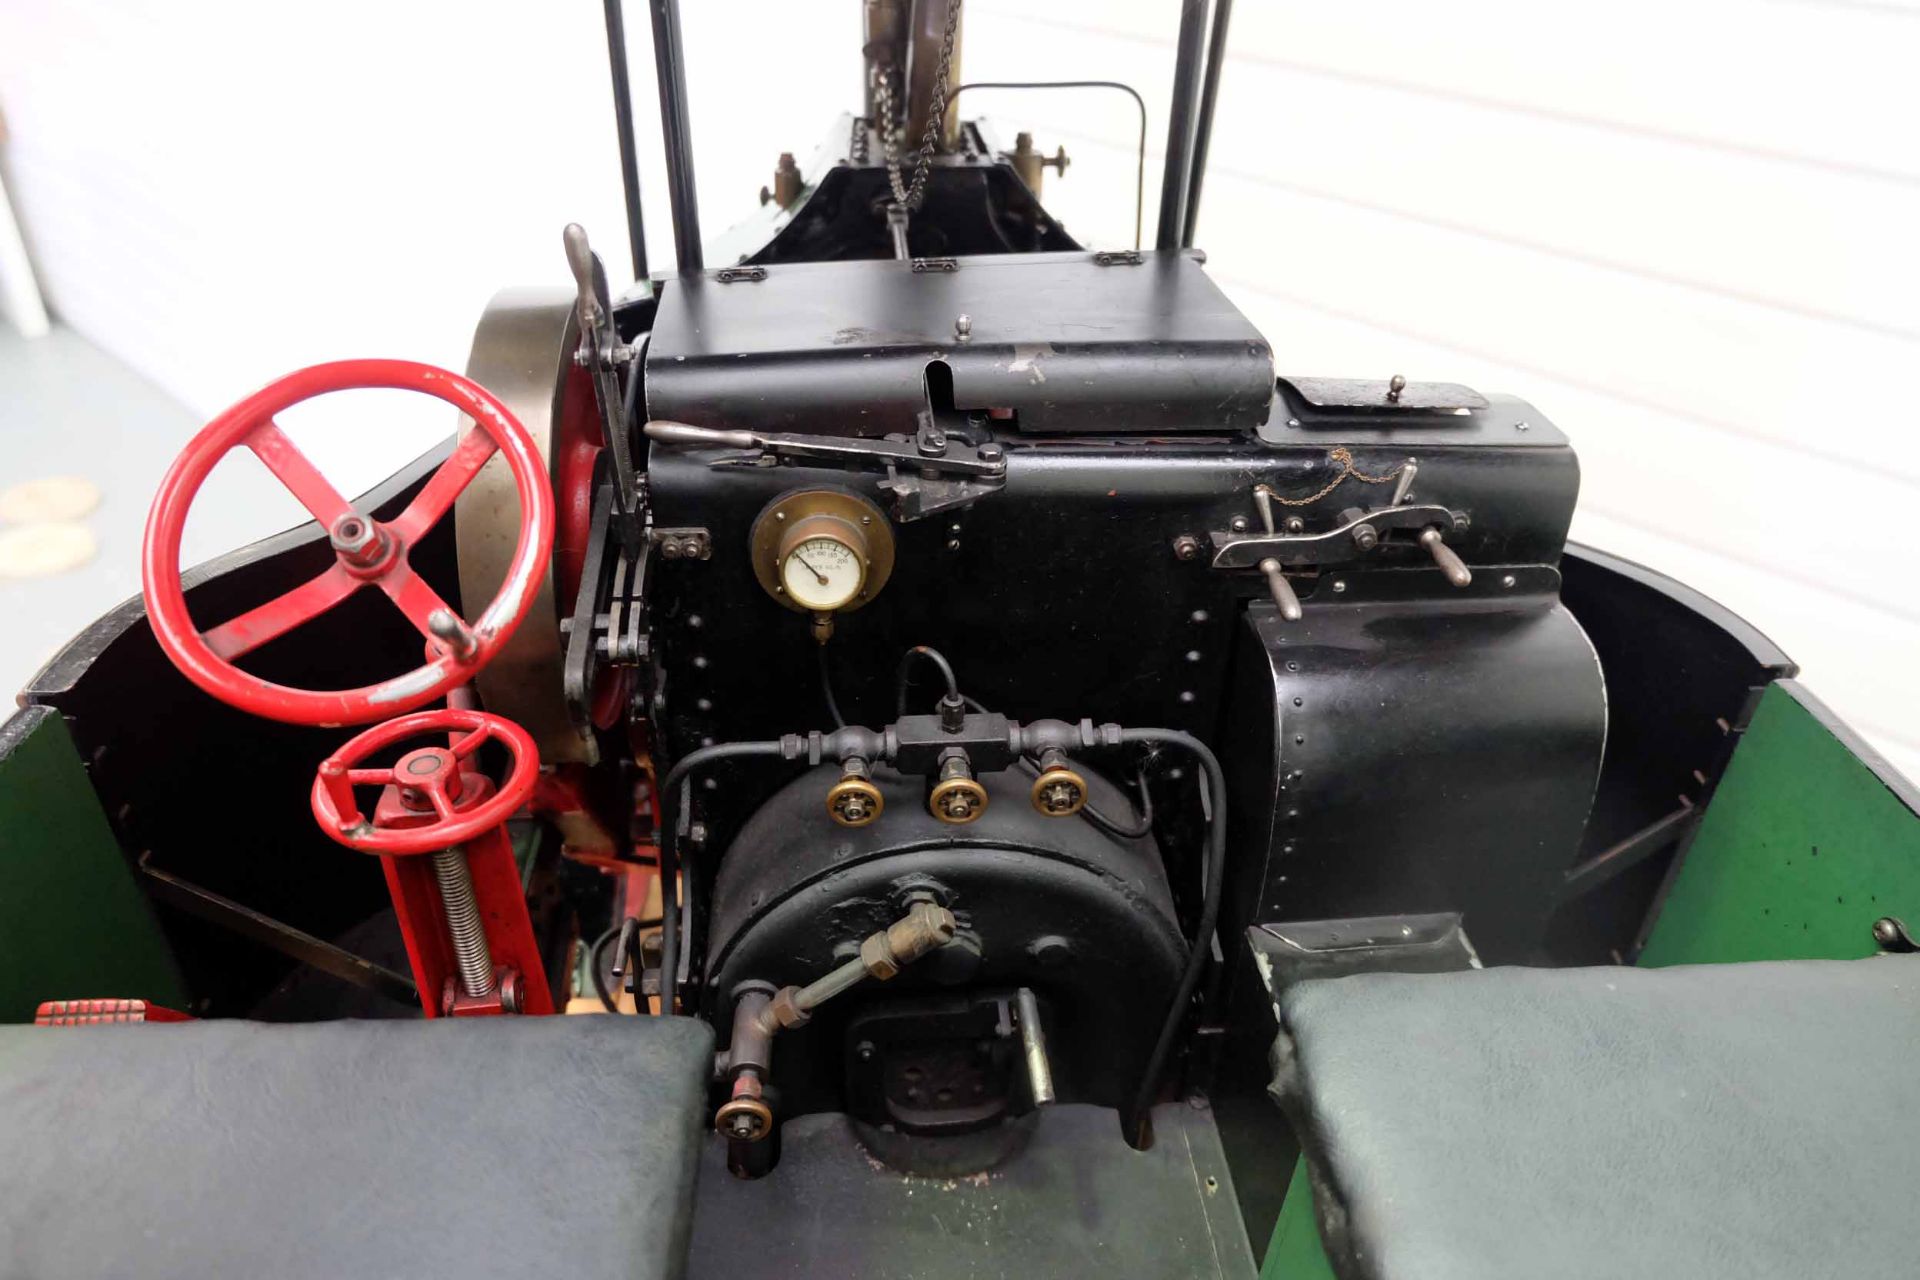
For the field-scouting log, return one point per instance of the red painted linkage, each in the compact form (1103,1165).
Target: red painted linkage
(367,552)
(434,800)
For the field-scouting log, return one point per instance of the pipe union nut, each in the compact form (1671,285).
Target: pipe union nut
(784,1010)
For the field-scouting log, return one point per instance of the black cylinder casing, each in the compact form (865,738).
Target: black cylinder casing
(1055,904)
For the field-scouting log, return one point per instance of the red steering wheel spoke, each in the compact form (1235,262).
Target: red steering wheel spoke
(296,471)
(244,634)
(454,475)
(424,608)
(366,551)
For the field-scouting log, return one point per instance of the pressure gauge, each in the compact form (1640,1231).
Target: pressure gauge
(822,551)
(820,567)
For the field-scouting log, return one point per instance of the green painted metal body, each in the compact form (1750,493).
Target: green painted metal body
(1804,845)
(1295,1252)
(1809,838)
(76,923)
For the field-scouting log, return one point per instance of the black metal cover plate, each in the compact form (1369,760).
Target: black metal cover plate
(1077,1202)
(1067,344)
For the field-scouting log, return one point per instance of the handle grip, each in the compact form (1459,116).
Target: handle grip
(686,433)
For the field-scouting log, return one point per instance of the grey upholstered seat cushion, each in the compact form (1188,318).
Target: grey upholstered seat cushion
(1742,1121)
(467,1148)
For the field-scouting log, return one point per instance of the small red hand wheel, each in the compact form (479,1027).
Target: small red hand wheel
(366,551)
(433,774)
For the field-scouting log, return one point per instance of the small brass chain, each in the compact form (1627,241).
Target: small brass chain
(1345,459)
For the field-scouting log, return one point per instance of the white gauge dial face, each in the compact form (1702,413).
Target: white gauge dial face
(822,574)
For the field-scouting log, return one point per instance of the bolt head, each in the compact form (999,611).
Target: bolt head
(1186,547)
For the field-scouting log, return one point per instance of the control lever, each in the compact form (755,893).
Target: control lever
(1443,555)
(601,353)
(1278,587)
(931,473)
(984,461)
(1281,590)
(1033,1045)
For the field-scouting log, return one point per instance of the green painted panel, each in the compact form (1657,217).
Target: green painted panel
(72,921)
(1295,1252)
(1801,849)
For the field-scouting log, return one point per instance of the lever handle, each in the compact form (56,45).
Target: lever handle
(1283,598)
(586,274)
(1450,564)
(686,433)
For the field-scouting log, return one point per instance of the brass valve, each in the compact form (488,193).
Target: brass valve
(854,801)
(745,1116)
(957,798)
(1059,792)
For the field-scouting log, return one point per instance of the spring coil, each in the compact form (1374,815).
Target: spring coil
(470,952)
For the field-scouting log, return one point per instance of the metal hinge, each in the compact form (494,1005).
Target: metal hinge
(683,544)
(1118,258)
(923,265)
(732,275)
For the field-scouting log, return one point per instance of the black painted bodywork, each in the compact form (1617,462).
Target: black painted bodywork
(1058,342)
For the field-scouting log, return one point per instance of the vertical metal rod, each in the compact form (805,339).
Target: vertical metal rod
(1186,79)
(670,68)
(623,125)
(1203,130)
(1034,1041)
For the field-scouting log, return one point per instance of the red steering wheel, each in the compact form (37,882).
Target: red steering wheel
(432,781)
(366,551)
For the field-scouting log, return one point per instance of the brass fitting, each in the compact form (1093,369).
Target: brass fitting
(957,798)
(784,1011)
(925,926)
(745,1116)
(854,801)
(1059,792)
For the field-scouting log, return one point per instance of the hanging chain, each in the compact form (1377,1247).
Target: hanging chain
(1345,459)
(910,195)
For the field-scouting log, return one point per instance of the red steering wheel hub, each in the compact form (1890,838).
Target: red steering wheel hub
(367,552)
(438,798)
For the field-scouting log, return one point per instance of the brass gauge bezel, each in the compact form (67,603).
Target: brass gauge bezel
(809,513)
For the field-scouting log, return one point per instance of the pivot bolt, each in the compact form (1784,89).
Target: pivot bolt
(359,542)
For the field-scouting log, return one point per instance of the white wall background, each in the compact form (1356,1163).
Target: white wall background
(1687,232)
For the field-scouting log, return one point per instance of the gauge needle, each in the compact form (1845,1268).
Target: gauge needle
(810,569)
